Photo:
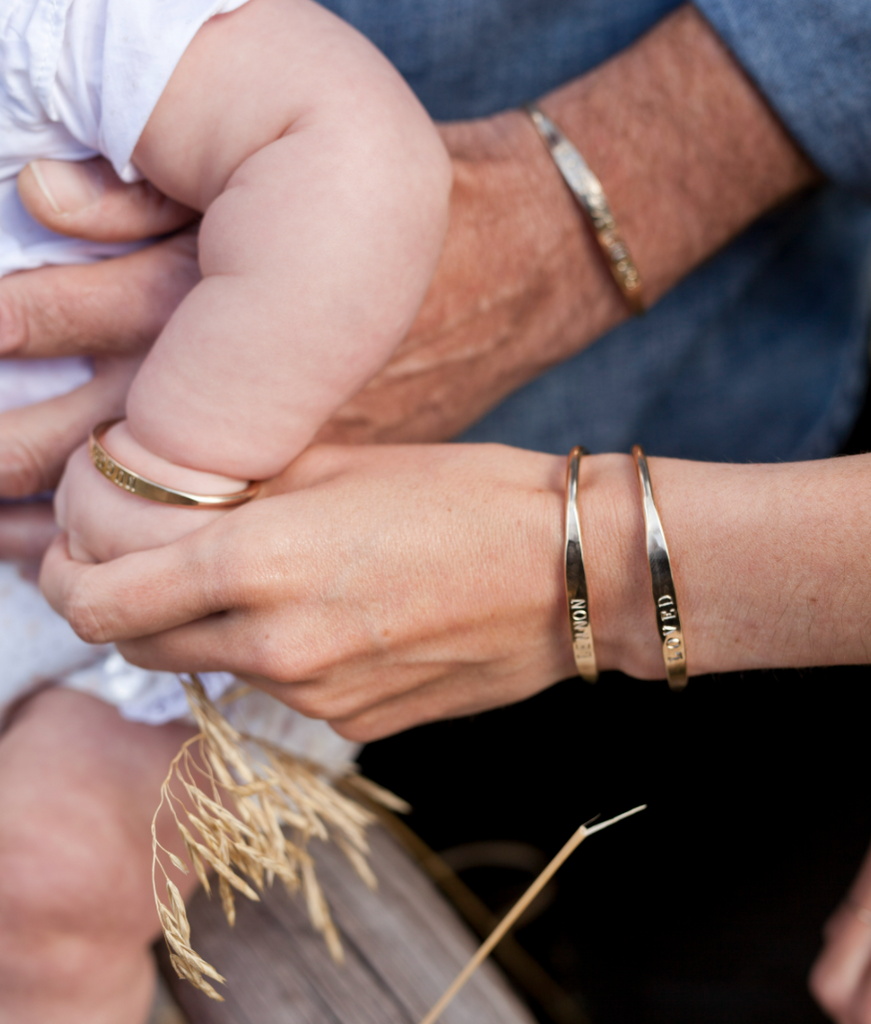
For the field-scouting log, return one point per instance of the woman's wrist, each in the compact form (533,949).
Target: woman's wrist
(621,606)
(770,562)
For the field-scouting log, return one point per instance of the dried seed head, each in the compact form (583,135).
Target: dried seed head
(255,789)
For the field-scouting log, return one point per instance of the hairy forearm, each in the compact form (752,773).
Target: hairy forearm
(689,155)
(689,152)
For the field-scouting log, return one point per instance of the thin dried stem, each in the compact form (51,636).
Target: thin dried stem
(240,795)
(501,930)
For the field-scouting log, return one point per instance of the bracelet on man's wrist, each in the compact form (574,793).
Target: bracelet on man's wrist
(590,196)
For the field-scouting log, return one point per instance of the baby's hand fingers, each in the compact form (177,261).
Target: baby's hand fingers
(88,200)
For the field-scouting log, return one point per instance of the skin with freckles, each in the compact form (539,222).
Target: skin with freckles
(385,587)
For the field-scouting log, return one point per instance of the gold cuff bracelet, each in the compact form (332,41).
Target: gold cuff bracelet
(576,577)
(133,483)
(674,652)
(588,191)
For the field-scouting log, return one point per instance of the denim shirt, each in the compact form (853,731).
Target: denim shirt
(761,354)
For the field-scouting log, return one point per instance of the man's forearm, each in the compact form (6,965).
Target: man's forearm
(687,149)
(689,154)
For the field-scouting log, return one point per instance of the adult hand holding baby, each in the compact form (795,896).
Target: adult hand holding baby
(111,311)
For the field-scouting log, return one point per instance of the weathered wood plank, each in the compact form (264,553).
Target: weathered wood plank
(403,946)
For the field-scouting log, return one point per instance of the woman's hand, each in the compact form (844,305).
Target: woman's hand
(381,587)
(841,977)
(377,588)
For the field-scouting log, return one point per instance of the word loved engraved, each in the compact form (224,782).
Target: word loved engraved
(667,617)
(670,631)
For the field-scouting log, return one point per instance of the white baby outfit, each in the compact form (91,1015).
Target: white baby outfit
(80,78)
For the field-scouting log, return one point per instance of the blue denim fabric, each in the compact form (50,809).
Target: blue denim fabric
(812,60)
(762,353)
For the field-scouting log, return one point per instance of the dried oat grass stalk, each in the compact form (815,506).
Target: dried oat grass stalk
(246,810)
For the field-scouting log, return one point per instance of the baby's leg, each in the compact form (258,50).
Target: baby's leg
(78,788)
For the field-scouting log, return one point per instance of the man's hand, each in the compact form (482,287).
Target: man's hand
(111,311)
(687,149)
(689,154)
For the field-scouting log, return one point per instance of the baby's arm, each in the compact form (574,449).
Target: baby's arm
(325,188)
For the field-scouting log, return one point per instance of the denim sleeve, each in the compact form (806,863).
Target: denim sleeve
(812,61)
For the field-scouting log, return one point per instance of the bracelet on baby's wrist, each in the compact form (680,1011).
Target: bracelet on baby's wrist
(133,483)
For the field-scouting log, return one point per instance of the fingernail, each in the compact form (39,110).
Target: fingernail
(68,187)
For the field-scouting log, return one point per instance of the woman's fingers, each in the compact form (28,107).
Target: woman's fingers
(36,440)
(114,307)
(88,200)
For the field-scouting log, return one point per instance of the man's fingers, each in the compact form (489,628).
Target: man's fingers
(133,596)
(88,200)
(26,531)
(117,306)
(36,441)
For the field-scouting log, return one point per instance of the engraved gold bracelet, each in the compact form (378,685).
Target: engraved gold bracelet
(588,191)
(576,578)
(674,652)
(133,483)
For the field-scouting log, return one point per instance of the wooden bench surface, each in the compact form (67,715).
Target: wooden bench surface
(403,946)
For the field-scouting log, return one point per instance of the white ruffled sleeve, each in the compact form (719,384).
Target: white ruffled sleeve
(99,66)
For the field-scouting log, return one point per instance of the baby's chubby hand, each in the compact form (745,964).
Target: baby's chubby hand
(104,522)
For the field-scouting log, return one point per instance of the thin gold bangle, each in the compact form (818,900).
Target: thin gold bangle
(576,577)
(133,483)
(674,652)
(588,191)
